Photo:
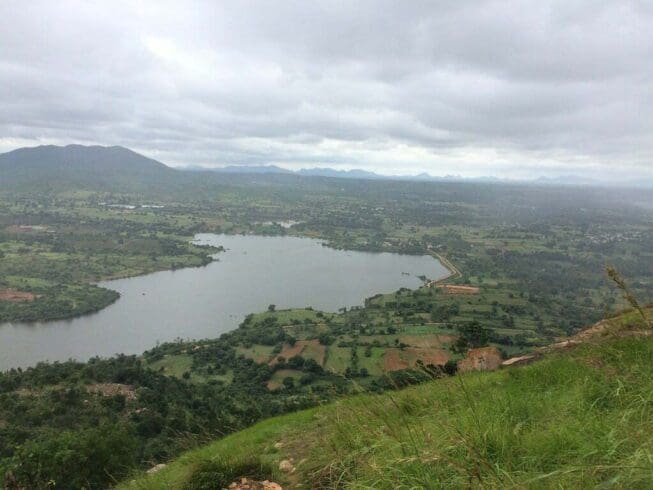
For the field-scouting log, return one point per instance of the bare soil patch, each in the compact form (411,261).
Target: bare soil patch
(481,359)
(455,289)
(15,296)
(314,350)
(392,360)
(289,351)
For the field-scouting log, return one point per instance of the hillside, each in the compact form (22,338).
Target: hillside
(580,417)
(80,167)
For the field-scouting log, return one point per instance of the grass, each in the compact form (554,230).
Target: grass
(173,365)
(285,317)
(276,381)
(337,358)
(258,353)
(177,365)
(580,418)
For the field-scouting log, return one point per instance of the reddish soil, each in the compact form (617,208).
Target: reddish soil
(453,289)
(314,350)
(437,357)
(481,359)
(14,296)
(392,360)
(312,346)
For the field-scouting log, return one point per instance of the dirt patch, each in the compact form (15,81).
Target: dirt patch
(392,360)
(112,389)
(454,289)
(313,348)
(481,359)
(396,359)
(14,296)
(26,228)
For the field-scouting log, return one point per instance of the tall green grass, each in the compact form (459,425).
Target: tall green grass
(581,418)
(574,420)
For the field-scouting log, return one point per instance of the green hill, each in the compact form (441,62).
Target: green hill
(81,167)
(580,417)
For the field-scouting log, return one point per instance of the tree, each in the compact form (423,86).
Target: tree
(450,367)
(289,382)
(472,335)
(325,339)
(272,308)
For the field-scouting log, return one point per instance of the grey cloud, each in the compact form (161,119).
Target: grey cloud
(492,86)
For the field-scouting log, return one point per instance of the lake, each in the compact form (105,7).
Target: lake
(204,302)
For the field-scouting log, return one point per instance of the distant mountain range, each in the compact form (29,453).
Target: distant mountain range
(115,167)
(571,180)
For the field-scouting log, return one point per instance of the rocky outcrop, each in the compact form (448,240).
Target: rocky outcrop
(156,468)
(519,361)
(249,484)
(481,359)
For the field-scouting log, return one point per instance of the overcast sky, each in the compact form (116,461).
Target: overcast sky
(506,88)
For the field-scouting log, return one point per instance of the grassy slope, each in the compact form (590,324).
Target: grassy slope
(577,419)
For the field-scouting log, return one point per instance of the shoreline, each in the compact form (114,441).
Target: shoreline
(453,270)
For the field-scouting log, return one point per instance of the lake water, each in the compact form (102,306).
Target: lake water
(204,302)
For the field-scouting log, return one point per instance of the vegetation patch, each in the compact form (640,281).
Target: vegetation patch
(561,422)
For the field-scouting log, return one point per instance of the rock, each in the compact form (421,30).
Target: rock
(156,468)
(278,445)
(518,361)
(248,484)
(565,344)
(286,466)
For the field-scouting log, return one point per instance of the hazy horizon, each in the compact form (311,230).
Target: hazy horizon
(503,89)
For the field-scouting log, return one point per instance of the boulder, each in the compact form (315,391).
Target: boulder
(286,466)
(156,468)
(518,361)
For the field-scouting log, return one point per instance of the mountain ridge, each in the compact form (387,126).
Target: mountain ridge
(72,163)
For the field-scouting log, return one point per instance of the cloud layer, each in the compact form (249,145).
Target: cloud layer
(505,88)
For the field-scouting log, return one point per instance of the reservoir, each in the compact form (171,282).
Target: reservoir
(205,302)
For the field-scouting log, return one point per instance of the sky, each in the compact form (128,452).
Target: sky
(473,88)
